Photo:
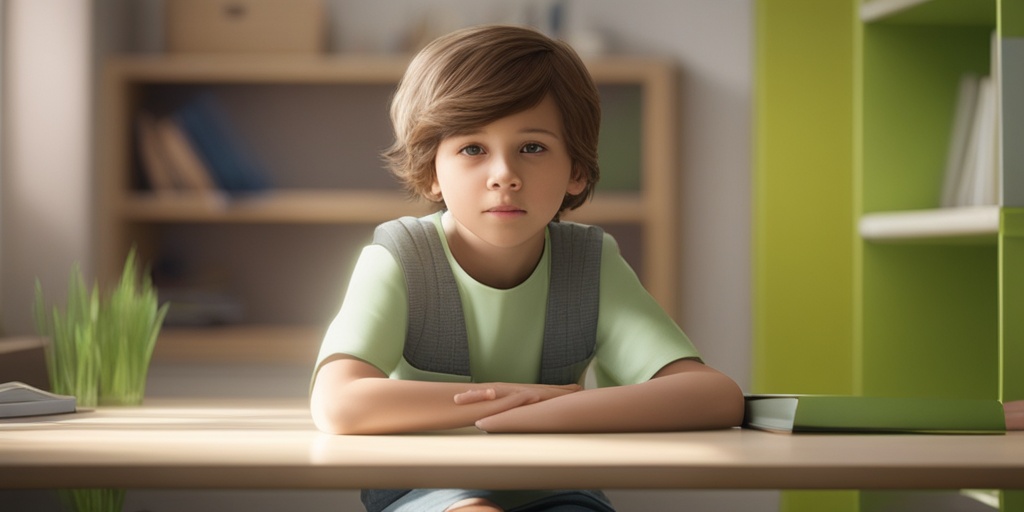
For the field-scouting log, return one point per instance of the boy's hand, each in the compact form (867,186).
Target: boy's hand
(517,394)
(1014,414)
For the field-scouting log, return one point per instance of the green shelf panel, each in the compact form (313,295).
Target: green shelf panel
(1011,291)
(804,205)
(1011,18)
(816,501)
(1011,501)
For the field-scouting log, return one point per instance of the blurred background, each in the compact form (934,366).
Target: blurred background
(54,52)
(54,103)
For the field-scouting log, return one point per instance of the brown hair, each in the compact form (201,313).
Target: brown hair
(475,76)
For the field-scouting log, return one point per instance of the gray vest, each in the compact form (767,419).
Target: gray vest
(436,338)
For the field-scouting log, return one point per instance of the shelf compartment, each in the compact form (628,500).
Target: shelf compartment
(910,80)
(945,224)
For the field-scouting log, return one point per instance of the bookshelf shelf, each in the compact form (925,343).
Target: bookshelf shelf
(213,68)
(349,69)
(980,224)
(318,123)
(280,206)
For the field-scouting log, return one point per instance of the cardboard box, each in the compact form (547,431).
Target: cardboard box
(245,26)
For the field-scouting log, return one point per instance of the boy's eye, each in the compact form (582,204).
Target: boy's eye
(472,150)
(532,148)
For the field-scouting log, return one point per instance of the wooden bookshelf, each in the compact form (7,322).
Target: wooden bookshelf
(130,214)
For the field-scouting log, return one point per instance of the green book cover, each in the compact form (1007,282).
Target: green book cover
(837,413)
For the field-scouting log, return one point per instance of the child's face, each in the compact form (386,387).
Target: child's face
(505,182)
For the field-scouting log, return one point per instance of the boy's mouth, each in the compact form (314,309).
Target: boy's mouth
(506,209)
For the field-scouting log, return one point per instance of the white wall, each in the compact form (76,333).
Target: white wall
(713,42)
(47,150)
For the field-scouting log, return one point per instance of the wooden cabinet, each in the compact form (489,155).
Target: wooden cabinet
(318,125)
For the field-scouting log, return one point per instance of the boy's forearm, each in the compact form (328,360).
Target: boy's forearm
(353,397)
(685,401)
(383,406)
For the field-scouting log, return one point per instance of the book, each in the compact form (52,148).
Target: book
(963,119)
(190,171)
(977,185)
(19,399)
(158,172)
(872,414)
(973,166)
(232,164)
(172,168)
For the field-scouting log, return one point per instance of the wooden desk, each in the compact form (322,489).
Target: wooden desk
(171,445)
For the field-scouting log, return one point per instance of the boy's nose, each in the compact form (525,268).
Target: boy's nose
(503,175)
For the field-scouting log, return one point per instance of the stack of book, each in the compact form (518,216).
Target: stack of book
(972,161)
(973,167)
(194,150)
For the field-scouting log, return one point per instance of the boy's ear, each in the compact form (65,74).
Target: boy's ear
(435,190)
(577,184)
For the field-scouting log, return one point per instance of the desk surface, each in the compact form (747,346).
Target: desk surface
(170,445)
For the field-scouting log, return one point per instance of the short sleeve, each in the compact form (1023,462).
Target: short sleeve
(635,336)
(371,323)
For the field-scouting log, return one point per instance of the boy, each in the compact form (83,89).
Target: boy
(500,125)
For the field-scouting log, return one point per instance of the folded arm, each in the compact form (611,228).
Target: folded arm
(351,396)
(684,395)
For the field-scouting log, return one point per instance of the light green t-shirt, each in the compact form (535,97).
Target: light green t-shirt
(505,327)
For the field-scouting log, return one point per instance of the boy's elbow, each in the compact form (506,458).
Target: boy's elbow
(716,402)
(336,419)
(333,414)
(727,409)
(327,418)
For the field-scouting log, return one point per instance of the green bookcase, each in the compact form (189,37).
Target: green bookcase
(864,284)
(803,204)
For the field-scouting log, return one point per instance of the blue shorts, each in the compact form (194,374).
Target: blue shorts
(437,500)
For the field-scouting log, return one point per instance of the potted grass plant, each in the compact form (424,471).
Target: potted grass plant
(100,346)
(129,322)
(72,349)
(99,350)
